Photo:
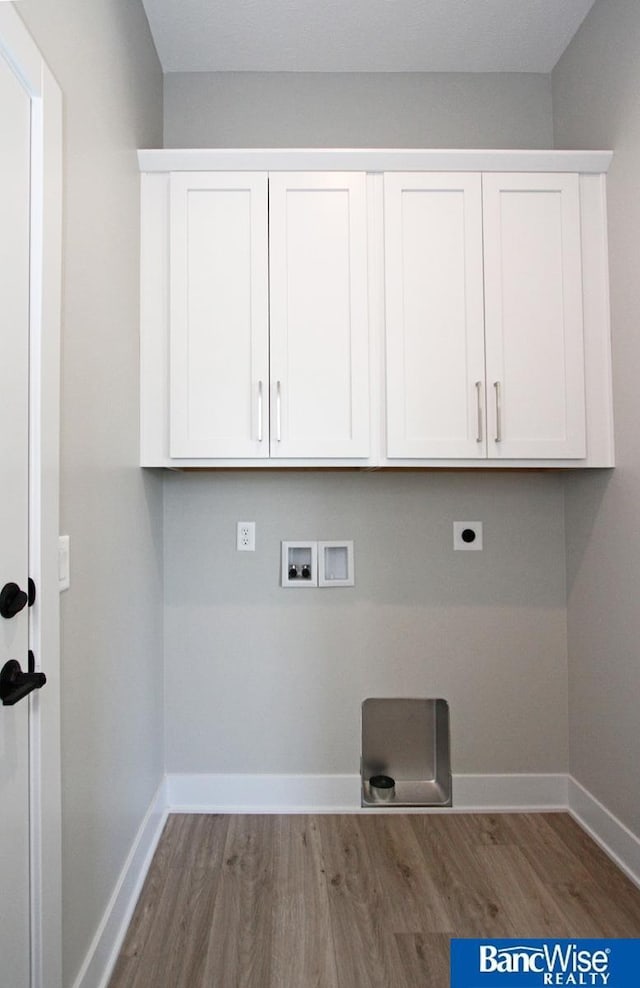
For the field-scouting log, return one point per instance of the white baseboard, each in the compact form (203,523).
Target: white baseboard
(204,793)
(503,793)
(615,839)
(192,793)
(103,953)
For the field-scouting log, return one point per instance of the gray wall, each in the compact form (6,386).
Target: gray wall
(596,89)
(265,679)
(287,109)
(261,679)
(112,743)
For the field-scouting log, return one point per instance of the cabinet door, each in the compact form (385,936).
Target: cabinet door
(219,331)
(533,327)
(319,315)
(434,315)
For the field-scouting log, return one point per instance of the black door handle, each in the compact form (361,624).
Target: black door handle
(12,600)
(16,684)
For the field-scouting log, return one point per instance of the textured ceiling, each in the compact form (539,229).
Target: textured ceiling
(363,35)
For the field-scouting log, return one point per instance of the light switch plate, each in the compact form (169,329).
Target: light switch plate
(64,570)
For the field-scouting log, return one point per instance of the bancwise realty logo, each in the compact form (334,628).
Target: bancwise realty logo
(511,963)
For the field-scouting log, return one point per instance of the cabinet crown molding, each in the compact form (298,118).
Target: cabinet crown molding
(372,160)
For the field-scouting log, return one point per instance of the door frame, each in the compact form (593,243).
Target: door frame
(23,55)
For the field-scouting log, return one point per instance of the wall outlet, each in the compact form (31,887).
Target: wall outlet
(246,536)
(467,535)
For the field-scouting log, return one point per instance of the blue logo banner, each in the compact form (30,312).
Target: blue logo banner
(513,963)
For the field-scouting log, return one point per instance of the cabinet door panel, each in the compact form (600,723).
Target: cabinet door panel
(434,315)
(319,315)
(219,315)
(534,338)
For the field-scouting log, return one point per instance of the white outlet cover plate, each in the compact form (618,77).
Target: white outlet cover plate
(247,544)
(459,543)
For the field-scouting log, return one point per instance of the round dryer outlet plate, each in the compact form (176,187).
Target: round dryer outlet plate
(467,535)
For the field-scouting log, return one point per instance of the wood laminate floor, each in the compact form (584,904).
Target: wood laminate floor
(357,901)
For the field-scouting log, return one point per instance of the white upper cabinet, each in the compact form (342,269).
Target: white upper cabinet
(269,348)
(434,315)
(534,318)
(219,315)
(319,315)
(363,308)
(514,239)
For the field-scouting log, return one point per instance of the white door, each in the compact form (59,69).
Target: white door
(534,326)
(319,315)
(219,315)
(434,315)
(15,111)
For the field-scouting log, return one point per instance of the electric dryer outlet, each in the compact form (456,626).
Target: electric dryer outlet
(467,535)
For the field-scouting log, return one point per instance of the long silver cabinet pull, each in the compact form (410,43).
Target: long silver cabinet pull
(479,410)
(259,411)
(498,390)
(278,413)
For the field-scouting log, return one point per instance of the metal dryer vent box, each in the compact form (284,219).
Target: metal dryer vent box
(407,740)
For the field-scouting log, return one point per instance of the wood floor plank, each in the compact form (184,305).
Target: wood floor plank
(483,828)
(184,950)
(471,898)
(411,902)
(600,867)
(160,964)
(590,912)
(424,959)
(366,951)
(360,901)
(302,951)
(529,907)
(239,949)
(617,897)
(587,909)
(551,858)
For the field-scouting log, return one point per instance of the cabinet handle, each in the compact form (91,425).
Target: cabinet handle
(278,413)
(259,411)
(479,410)
(496,385)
